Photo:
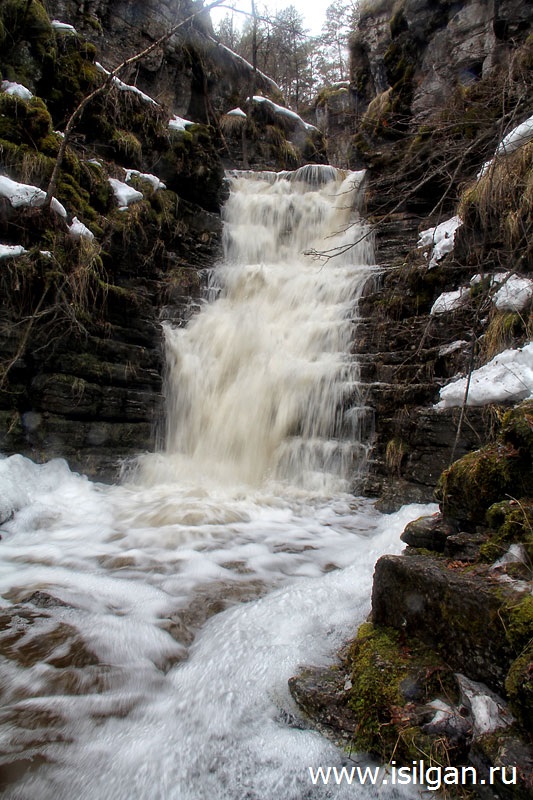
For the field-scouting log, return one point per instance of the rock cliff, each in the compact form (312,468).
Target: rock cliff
(140,188)
(436,87)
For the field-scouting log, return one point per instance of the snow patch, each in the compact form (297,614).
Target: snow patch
(24,194)
(489,712)
(285,112)
(516,138)
(448,349)
(147,176)
(448,301)
(440,240)
(179,123)
(515,294)
(124,194)
(236,112)
(516,554)
(244,61)
(58,207)
(125,87)
(11,250)
(507,378)
(16,89)
(78,230)
(63,26)
(519,136)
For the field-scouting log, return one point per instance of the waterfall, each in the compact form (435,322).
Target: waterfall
(261,384)
(149,629)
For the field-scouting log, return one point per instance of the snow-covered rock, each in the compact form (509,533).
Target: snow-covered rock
(179,123)
(147,176)
(519,136)
(516,138)
(78,230)
(24,194)
(439,240)
(448,301)
(515,294)
(62,26)
(126,87)
(284,112)
(124,194)
(488,710)
(16,89)
(508,378)
(11,250)
(236,112)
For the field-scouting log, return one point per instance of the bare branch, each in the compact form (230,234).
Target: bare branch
(78,111)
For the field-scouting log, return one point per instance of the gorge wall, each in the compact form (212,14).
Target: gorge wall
(81,306)
(435,87)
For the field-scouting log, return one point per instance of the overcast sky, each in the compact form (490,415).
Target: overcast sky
(313,11)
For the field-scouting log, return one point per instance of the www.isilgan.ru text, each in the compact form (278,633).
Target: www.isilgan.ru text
(418,774)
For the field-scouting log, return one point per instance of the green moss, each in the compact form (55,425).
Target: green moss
(50,145)
(519,688)
(381,666)
(517,427)
(25,163)
(24,121)
(68,79)
(512,522)
(377,670)
(126,148)
(94,179)
(471,485)
(398,23)
(519,628)
(71,193)
(21,19)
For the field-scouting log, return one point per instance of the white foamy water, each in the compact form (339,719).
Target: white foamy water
(148,630)
(259,381)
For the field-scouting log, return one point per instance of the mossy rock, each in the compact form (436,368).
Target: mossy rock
(519,688)
(126,148)
(28,37)
(519,628)
(69,78)
(467,489)
(24,121)
(387,675)
(191,167)
(517,428)
(512,523)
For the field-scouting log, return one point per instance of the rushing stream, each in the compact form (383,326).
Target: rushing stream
(148,629)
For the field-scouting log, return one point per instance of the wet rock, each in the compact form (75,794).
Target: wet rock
(45,600)
(489,712)
(450,722)
(507,757)
(430,533)
(464,546)
(322,693)
(456,613)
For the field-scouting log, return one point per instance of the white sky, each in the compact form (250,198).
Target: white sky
(313,11)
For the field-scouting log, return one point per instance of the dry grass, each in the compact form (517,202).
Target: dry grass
(503,331)
(501,202)
(377,110)
(231,124)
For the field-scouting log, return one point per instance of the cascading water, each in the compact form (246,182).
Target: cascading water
(149,629)
(258,382)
